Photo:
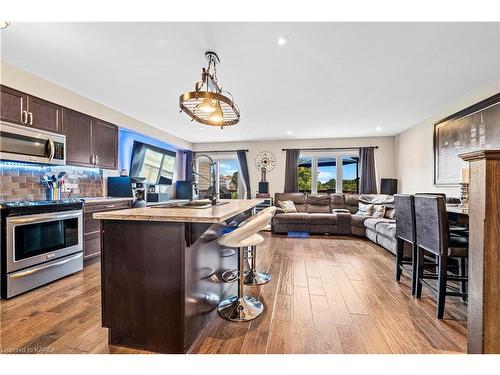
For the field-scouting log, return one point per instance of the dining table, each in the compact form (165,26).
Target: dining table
(457,214)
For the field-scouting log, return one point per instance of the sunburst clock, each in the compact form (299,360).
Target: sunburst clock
(265,162)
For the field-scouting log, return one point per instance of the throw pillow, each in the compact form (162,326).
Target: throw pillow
(287,206)
(390,213)
(365,209)
(378,211)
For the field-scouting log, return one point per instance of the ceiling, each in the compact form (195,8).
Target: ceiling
(329,80)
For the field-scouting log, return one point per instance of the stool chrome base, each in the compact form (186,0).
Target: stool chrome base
(256,278)
(240,309)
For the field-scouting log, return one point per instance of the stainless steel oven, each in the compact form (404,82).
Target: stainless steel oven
(22,143)
(43,242)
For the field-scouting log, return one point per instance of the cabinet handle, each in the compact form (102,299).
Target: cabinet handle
(24,117)
(31,117)
(97,159)
(109,206)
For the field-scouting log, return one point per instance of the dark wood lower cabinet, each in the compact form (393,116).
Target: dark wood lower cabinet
(161,282)
(92,228)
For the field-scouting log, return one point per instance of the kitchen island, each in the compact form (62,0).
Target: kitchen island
(161,272)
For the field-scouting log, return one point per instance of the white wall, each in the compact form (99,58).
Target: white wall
(414,149)
(24,81)
(384,155)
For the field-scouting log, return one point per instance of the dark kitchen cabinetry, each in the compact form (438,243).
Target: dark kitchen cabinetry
(104,144)
(13,106)
(92,228)
(20,108)
(90,142)
(77,128)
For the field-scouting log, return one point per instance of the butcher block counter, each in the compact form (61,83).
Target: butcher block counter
(161,272)
(227,208)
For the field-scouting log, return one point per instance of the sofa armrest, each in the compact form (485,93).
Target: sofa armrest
(340,210)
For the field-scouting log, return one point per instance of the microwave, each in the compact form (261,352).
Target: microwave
(24,144)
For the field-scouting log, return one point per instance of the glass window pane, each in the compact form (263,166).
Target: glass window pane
(350,174)
(205,176)
(327,174)
(228,179)
(305,174)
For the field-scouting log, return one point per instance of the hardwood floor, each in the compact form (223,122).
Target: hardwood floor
(327,295)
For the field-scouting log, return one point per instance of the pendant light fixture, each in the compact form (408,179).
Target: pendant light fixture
(209,104)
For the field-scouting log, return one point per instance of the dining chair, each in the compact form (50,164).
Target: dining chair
(405,233)
(433,236)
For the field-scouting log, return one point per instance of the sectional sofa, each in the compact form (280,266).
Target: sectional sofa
(337,214)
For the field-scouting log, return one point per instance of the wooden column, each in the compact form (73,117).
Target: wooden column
(484,251)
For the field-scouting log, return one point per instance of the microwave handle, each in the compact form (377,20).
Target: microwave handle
(52,149)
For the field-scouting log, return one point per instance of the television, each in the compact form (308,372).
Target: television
(153,163)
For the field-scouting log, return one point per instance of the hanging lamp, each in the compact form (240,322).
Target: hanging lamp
(209,104)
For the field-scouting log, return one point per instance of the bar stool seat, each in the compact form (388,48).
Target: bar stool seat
(252,276)
(241,308)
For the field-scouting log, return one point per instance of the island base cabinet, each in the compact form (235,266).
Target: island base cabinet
(161,282)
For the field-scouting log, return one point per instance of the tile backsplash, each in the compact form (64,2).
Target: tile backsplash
(23,181)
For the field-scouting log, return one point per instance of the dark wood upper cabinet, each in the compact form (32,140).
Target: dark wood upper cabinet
(20,108)
(90,142)
(13,106)
(105,144)
(44,115)
(76,127)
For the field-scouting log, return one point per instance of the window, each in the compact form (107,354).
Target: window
(226,172)
(326,173)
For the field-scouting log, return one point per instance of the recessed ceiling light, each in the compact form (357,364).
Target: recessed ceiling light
(4,24)
(282,41)
(289,132)
(378,128)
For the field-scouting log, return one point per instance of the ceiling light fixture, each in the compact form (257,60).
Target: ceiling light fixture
(4,24)
(209,104)
(378,128)
(282,41)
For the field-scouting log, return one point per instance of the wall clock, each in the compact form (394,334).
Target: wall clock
(265,160)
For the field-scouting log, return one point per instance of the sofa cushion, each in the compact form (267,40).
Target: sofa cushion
(390,212)
(337,201)
(318,203)
(319,218)
(372,222)
(292,218)
(351,202)
(358,221)
(387,229)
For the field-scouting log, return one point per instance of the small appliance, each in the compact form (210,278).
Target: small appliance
(25,144)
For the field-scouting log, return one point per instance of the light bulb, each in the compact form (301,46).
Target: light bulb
(217,117)
(206,106)
(4,24)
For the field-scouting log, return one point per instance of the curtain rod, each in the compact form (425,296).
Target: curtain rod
(326,148)
(217,152)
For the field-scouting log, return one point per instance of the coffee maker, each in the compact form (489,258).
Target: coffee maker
(139,190)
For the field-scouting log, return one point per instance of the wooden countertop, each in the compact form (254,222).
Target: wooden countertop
(215,214)
(97,200)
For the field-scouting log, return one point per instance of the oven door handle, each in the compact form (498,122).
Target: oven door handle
(38,269)
(52,149)
(43,218)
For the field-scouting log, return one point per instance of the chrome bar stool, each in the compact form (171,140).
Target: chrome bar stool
(252,276)
(241,308)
